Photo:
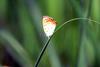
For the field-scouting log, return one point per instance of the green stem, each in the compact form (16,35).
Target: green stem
(75,20)
(42,52)
(46,44)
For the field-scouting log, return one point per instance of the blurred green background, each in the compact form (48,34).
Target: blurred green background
(77,44)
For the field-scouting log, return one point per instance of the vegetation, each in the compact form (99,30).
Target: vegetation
(76,44)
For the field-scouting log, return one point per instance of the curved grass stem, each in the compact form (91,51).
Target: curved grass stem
(47,43)
(42,52)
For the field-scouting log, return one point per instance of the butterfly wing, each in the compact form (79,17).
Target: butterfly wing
(49,25)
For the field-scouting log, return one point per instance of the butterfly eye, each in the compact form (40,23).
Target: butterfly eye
(49,25)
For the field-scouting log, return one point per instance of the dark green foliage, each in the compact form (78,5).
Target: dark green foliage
(77,44)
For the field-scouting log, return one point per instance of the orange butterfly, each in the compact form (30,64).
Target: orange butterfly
(49,25)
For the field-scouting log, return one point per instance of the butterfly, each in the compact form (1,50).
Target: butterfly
(49,25)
